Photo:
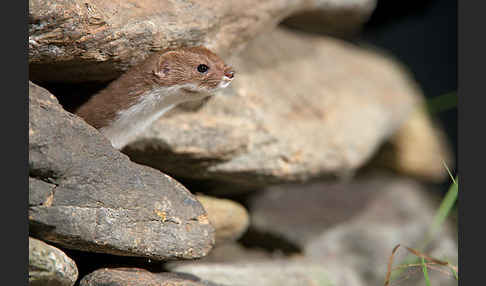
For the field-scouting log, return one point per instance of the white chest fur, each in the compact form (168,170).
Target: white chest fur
(133,120)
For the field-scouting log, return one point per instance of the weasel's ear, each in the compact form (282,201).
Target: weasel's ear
(162,68)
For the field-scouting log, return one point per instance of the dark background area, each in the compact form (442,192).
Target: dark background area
(423,36)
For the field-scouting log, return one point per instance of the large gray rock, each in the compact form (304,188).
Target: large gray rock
(140,277)
(299,213)
(269,273)
(354,224)
(300,108)
(85,195)
(49,266)
(76,41)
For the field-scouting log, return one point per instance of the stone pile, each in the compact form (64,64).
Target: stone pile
(308,170)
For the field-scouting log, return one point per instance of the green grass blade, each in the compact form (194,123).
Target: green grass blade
(426,274)
(455,273)
(449,171)
(442,213)
(445,207)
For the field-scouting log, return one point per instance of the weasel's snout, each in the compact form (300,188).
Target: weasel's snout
(229,72)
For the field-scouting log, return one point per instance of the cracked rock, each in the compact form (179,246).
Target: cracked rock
(85,195)
(79,41)
(140,277)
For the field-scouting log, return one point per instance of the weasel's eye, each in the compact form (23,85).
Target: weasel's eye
(202,68)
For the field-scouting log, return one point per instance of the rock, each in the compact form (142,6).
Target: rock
(269,273)
(49,266)
(235,252)
(355,224)
(229,219)
(77,41)
(298,213)
(85,195)
(304,107)
(140,277)
(400,212)
(346,229)
(418,149)
(366,247)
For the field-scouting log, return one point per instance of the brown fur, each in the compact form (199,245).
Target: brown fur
(166,68)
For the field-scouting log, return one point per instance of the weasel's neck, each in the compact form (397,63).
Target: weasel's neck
(131,121)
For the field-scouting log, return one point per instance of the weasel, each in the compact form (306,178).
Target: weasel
(146,91)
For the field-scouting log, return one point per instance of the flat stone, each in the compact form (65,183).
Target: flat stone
(140,277)
(269,273)
(49,266)
(304,107)
(78,41)
(85,195)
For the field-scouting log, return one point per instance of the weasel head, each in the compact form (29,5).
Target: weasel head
(193,70)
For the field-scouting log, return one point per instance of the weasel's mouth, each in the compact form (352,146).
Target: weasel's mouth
(225,82)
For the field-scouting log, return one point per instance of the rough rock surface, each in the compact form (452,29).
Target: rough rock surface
(49,266)
(229,219)
(85,195)
(302,107)
(355,224)
(140,277)
(96,40)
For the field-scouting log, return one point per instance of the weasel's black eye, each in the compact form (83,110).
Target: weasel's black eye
(202,68)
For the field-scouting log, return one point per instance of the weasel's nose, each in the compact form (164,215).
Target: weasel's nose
(229,73)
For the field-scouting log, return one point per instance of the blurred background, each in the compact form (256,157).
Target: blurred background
(423,35)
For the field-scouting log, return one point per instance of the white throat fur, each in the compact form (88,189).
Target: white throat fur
(151,105)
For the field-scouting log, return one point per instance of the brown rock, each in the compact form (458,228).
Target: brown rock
(229,219)
(85,195)
(96,40)
(303,107)
(140,277)
(49,266)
